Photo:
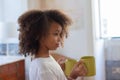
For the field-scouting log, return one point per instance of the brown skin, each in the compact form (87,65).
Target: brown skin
(52,42)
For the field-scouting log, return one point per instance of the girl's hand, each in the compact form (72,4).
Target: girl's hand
(61,61)
(79,69)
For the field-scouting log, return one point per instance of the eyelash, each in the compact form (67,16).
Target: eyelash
(56,34)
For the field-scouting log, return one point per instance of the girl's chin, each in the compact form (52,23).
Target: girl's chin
(55,48)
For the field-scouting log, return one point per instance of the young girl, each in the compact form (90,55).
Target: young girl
(40,32)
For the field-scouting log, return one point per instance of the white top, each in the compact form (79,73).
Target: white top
(46,69)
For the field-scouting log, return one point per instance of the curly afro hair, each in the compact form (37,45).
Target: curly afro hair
(35,24)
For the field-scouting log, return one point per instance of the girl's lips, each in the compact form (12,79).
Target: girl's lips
(57,45)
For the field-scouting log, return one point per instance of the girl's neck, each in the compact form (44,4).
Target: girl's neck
(42,53)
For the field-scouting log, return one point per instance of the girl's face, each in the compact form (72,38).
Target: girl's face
(53,40)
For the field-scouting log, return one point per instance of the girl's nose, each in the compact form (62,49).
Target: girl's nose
(59,39)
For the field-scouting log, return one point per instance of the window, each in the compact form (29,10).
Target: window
(10,10)
(110,18)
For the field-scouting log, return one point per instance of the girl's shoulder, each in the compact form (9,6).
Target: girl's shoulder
(41,61)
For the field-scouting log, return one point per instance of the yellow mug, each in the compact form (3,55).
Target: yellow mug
(90,64)
(69,65)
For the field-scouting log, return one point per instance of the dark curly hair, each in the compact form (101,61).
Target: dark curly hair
(35,24)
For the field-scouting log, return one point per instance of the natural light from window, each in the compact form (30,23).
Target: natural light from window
(110,18)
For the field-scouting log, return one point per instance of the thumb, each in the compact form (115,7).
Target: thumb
(80,62)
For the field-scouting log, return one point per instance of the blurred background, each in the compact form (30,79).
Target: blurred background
(95,31)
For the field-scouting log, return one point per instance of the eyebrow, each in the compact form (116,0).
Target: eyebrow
(57,30)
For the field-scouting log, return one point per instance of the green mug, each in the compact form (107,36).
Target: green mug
(69,65)
(90,64)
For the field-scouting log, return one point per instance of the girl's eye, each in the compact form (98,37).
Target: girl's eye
(56,34)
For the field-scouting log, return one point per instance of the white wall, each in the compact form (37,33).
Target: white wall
(100,60)
(98,43)
(10,10)
(1,10)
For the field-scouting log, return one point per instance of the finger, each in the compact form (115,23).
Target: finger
(61,60)
(80,66)
(82,71)
(85,69)
(79,63)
